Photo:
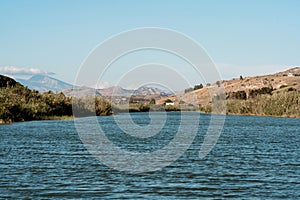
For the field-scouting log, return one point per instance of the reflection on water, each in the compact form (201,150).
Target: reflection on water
(255,157)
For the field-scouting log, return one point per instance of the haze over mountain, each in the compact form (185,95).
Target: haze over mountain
(44,83)
(143,91)
(81,91)
(115,91)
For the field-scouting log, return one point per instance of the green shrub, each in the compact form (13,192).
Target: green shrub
(18,103)
(279,104)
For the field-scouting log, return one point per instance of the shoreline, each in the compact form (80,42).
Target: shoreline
(55,118)
(273,116)
(52,118)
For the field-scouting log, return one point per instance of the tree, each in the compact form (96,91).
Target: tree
(18,103)
(196,87)
(152,102)
(188,90)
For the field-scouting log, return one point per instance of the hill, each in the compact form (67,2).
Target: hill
(115,91)
(288,78)
(275,94)
(18,103)
(8,82)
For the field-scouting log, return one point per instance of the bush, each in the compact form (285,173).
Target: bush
(188,90)
(265,90)
(279,104)
(197,87)
(242,95)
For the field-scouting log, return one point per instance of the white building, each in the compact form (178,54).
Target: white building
(290,75)
(169,103)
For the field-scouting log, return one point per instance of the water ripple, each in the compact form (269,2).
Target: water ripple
(255,157)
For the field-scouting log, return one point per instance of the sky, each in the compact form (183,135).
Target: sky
(55,37)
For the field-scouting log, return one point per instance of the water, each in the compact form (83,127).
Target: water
(255,157)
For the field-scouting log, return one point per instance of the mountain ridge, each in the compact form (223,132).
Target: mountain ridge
(44,83)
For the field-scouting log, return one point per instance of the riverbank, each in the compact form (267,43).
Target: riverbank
(2,122)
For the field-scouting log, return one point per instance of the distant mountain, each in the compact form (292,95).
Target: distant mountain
(81,92)
(147,91)
(43,83)
(142,91)
(115,91)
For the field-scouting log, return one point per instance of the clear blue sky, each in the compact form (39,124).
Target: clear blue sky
(242,37)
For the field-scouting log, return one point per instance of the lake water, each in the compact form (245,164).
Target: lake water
(255,157)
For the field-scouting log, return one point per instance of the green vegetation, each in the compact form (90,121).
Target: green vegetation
(188,90)
(265,90)
(137,107)
(131,107)
(18,103)
(242,95)
(285,104)
(196,87)
(91,105)
(152,102)
(168,101)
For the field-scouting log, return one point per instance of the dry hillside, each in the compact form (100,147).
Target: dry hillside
(279,81)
